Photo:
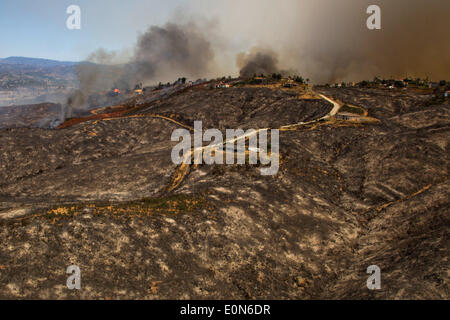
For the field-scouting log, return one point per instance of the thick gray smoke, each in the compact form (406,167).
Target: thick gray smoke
(260,61)
(411,41)
(102,56)
(93,78)
(161,54)
(257,62)
(328,41)
(168,52)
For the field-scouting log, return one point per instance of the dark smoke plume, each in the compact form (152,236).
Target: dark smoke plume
(171,51)
(92,78)
(161,54)
(258,61)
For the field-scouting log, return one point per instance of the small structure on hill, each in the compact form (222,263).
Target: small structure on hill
(433,85)
(222,85)
(114,92)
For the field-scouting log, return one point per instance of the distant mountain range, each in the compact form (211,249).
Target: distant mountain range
(37,62)
(16,72)
(25,80)
(32,80)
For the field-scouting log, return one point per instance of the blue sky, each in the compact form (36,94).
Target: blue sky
(38,28)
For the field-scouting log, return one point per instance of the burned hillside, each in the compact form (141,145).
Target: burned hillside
(104,194)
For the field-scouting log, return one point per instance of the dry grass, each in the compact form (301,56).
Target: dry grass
(170,205)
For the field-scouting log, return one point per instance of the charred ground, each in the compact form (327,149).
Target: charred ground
(347,196)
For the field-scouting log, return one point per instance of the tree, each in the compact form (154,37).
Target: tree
(399,84)
(276,76)
(364,83)
(299,79)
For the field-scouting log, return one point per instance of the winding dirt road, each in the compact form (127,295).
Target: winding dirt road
(183,169)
